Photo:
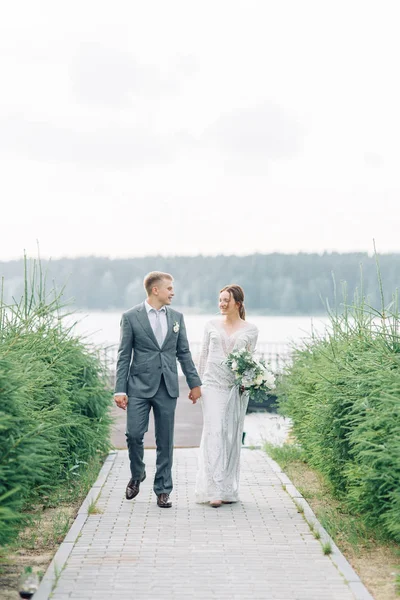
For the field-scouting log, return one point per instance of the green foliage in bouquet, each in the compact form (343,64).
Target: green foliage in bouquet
(54,402)
(251,375)
(342,392)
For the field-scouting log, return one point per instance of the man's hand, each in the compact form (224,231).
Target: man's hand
(121,401)
(195,394)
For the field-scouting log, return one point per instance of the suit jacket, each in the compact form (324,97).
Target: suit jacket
(141,361)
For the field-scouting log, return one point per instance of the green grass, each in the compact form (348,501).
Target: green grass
(285,455)
(309,494)
(44,532)
(369,548)
(353,528)
(299,507)
(93,509)
(76,486)
(316,534)
(48,523)
(57,575)
(333,513)
(311,525)
(327,547)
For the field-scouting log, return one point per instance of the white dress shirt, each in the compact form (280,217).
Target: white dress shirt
(153,321)
(151,313)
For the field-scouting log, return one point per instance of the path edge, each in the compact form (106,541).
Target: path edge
(60,558)
(354,582)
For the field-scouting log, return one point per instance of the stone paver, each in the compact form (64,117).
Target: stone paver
(260,548)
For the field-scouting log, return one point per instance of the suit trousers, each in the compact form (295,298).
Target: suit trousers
(137,423)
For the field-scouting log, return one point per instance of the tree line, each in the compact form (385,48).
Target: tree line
(275,284)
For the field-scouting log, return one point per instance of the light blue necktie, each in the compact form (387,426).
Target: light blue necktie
(158,329)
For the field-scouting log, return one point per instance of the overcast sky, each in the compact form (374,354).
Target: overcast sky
(182,127)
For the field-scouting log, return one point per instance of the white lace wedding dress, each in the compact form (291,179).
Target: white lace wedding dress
(224,409)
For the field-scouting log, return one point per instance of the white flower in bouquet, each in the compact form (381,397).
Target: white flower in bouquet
(250,374)
(269,379)
(248,378)
(259,379)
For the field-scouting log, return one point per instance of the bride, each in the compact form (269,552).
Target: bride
(224,407)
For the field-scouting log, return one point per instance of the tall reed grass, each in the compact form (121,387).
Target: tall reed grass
(342,392)
(54,401)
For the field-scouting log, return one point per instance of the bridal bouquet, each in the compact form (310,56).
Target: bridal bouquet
(250,374)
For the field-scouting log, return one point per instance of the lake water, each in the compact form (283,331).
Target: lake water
(102,328)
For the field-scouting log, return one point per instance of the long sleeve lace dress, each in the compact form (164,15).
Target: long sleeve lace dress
(224,409)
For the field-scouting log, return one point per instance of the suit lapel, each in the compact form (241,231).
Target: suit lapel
(143,319)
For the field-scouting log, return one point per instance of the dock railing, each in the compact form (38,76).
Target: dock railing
(276,354)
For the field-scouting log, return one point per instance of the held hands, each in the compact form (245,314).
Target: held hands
(195,394)
(121,401)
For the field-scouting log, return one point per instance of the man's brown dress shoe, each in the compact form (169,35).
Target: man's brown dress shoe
(132,489)
(163,501)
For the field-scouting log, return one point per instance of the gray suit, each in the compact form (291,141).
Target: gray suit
(148,374)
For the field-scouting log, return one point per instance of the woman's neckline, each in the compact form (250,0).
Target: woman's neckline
(221,326)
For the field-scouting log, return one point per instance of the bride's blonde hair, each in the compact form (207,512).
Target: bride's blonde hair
(238,295)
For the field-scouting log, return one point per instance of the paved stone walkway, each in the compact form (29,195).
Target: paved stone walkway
(260,548)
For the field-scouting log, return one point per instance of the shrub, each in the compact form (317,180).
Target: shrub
(342,392)
(54,402)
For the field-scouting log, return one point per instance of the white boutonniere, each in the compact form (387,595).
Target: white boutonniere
(176,327)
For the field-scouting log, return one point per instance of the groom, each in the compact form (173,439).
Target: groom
(152,338)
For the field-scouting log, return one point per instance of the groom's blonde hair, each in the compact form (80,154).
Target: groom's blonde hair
(155,278)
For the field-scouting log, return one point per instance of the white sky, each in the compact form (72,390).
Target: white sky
(175,127)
